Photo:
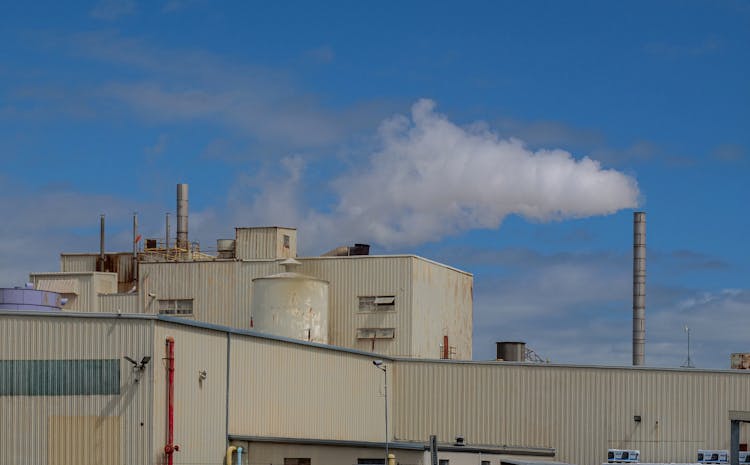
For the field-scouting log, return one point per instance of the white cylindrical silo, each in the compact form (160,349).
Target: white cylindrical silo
(292,305)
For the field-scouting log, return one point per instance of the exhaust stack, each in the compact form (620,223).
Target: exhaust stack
(182,216)
(101,244)
(639,288)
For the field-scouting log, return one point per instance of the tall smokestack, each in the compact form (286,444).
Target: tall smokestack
(101,244)
(182,216)
(639,288)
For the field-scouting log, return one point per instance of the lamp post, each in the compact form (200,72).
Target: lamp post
(384,368)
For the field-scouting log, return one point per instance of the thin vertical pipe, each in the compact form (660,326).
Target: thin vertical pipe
(639,288)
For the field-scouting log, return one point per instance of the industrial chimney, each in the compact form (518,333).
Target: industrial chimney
(639,288)
(182,216)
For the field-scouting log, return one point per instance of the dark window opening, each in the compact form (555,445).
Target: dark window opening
(296,461)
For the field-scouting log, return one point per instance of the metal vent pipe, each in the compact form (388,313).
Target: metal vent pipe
(639,288)
(101,244)
(182,216)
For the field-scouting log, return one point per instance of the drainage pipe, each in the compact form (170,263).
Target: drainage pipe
(170,448)
(239,456)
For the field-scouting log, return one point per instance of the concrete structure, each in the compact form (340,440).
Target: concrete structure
(281,398)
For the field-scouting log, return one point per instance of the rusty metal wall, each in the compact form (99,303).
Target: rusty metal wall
(120,303)
(46,428)
(282,389)
(580,411)
(352,277)
(199,404)
(442,305)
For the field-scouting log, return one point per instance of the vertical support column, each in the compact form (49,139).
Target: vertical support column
(734,448)
(639,288)
(433,450)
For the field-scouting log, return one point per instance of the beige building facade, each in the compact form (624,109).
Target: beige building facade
(397,305)
(69,396)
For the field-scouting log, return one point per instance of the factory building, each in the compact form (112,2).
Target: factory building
(401,305)
(69,396)
(254,355)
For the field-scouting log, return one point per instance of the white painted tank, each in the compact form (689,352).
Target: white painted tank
(291,304)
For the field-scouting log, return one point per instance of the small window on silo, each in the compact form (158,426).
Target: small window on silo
(287,239)
(380,303)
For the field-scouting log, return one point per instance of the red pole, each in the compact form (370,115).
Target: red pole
(446,349)
(170,448)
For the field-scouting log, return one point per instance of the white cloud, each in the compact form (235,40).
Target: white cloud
(431,178)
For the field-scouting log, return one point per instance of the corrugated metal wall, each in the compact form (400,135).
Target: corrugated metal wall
(264,243)
(200,405)
(85,301)
(213,286)
(351,277)
(123,263)
(443,302)
(278,389)
(222,294)
(78,262)
(56,429)
(104,283)
(120,303)
(580,411)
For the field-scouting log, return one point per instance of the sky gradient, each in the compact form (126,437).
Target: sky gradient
(512,140)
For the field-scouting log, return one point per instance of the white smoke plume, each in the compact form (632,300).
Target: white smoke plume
(431,178)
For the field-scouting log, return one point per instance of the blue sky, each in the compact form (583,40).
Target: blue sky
(509,139)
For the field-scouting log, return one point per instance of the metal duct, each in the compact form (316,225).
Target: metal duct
(182,216)
(639,288)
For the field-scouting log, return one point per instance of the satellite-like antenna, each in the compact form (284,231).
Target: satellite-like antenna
(689,361)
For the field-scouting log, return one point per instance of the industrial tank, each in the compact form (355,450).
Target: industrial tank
(291,304)
(29,299)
